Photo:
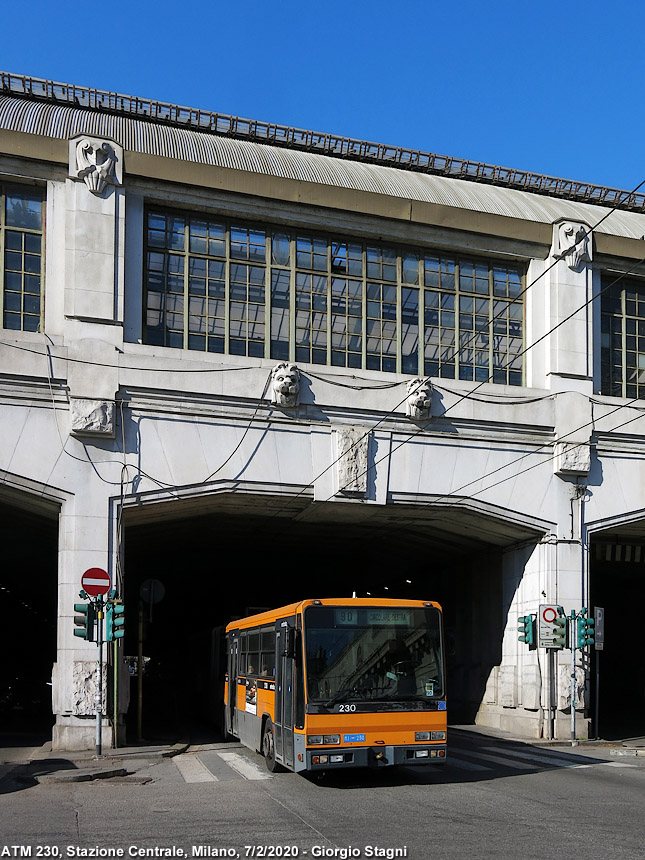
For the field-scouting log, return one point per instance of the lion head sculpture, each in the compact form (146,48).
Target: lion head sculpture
(419,398)
(285,384)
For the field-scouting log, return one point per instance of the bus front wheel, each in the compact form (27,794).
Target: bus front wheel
(268,748)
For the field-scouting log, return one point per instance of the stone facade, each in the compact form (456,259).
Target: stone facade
(492,461)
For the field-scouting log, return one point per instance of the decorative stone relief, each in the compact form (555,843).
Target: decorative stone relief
(572,458)
(531,688)
(419,400)
(92,417)
(285,385)
(99,163)
(507,687)
(564,688)
(572,242)
(353,447)
(84,688)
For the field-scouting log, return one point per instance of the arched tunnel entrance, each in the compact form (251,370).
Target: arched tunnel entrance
(235,554)
(617,584)
(28,607)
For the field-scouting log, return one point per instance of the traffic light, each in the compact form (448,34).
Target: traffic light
(560,632)
(114,621)
(85,621)
(526,629)
(585,632)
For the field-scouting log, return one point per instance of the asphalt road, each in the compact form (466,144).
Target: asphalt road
(494,798)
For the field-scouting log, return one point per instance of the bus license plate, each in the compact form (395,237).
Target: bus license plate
(353,739)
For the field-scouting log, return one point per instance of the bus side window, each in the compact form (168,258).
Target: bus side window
(243,654)
(267,655)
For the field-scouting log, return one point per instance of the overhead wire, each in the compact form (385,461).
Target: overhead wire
(470,394)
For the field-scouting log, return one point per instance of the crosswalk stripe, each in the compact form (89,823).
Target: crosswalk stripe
(496,759)
(463,764)
(243,766)
(192,769)
(548,759)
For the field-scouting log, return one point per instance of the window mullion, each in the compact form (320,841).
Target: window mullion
(292,298)
(399,327)
(623,339)
(457,326)
(2,254)
(186,267)
(364,309)
(268,285)
(491,327)
(422,320)
(329,305)
(227,287)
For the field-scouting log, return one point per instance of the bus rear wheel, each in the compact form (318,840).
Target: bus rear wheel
(268,748)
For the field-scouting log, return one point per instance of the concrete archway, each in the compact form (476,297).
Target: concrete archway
(227,554)
(28,607)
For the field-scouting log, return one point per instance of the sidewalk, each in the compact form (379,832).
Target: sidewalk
(631,746)
(41,764)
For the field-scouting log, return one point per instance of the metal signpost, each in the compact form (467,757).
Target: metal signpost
(555,631)
(95,583)
(599,644)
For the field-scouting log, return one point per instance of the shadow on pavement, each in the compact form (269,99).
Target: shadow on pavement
(24,776)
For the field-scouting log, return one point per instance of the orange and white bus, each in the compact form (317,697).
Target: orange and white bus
(354,682)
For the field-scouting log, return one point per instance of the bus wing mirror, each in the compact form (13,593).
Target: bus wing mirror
(289,642)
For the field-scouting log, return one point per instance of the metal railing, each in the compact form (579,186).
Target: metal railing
(318,142)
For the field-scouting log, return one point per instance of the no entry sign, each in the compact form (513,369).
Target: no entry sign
(96,581)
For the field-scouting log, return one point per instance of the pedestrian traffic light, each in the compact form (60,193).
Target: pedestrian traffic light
(526,629)
(585,632)
(114,621)
(85,621)
(560,632)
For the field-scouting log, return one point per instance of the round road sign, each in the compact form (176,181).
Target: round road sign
(549,614)
(96,581)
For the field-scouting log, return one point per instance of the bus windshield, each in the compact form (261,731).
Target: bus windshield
(354,654)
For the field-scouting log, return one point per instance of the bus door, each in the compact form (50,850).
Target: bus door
(285,639)
(231,705)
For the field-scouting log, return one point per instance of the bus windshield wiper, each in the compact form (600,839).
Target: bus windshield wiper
(342,694)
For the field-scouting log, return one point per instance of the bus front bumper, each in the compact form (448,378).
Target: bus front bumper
(376,756)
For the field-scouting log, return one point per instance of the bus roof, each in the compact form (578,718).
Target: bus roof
(285,611)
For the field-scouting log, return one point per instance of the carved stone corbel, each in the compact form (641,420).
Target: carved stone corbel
(92,417)
(572,243)
(419,399)
(98,162)
(285,385)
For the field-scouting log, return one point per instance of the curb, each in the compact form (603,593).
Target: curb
(85,775)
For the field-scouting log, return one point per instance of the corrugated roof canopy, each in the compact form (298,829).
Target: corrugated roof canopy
(63,121)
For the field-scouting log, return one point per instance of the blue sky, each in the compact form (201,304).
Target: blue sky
(549,87)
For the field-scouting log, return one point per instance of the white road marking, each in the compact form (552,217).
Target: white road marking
(496,759)
(192,769)
(463,764)
(552,760)
(246,768)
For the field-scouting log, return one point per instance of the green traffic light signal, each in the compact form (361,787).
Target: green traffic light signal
(114,621)
(585,632)
(84,621)
(525,628)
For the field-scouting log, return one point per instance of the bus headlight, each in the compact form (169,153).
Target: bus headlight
(422,736)
(314,740)
(331,739)
(437,736)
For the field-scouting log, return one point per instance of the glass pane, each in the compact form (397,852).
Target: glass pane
(23,209)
